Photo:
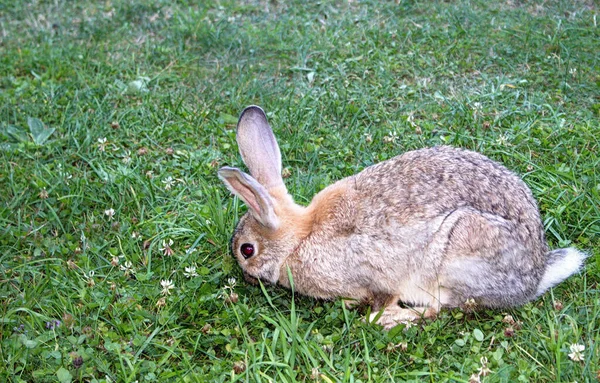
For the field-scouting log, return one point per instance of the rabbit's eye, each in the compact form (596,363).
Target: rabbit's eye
(247,250)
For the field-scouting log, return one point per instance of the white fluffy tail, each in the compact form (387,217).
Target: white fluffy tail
(560,264)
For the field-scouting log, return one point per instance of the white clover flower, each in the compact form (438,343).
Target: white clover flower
(576,352)
(169,182)
(314,373)
(503,140)
(166,247)
(167,286)
(228,289)
(102,144)
(391,137)
(127,268)
(484,370)
(127,157)
(190,272)
(90,278)
(408,324)
(109,213)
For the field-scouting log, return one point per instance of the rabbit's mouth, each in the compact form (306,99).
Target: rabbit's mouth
(250,279)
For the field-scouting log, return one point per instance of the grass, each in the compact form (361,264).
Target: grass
(115,116)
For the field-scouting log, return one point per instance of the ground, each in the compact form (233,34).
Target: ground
(114,229)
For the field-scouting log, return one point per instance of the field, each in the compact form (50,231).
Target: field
(114,228)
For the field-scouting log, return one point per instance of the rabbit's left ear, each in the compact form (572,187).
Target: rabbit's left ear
(258,147)
(254,195)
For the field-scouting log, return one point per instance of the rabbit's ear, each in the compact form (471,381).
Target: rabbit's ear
(254,195)
(258,147)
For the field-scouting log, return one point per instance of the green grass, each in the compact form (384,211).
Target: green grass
(346,84)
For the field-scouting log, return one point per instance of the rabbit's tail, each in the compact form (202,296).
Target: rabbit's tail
(560,264)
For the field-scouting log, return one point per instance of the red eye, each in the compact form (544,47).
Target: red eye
(247,250)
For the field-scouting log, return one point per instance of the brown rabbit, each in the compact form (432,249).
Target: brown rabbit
(432,228)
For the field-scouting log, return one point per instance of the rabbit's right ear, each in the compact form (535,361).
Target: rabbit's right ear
(254,195)
(258,147)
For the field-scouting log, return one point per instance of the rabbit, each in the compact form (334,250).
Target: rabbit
(433,228)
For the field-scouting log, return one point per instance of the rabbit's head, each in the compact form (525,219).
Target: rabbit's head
(274,224)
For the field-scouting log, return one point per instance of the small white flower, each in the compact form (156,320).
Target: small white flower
(167,286)
(127,157)
(102,144)
(169,182)
(503,140)
(228,288)
(127,268)
(166,247)
(64,174)
(576,352)
(109,213)
(90,278)
(190,272)
(484,370)
(391,137)
(408,324)
(314,374)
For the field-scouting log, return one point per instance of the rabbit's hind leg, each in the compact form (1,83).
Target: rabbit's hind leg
(488,264)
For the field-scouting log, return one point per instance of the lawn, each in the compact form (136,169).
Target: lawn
(114,228)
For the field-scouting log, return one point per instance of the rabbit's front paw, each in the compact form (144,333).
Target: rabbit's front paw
(393,315)
(351,303)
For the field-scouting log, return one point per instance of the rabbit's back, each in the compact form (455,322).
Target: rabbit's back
(421,187)
(426,183)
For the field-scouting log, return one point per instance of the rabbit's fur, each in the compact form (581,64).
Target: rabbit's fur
(436,227)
